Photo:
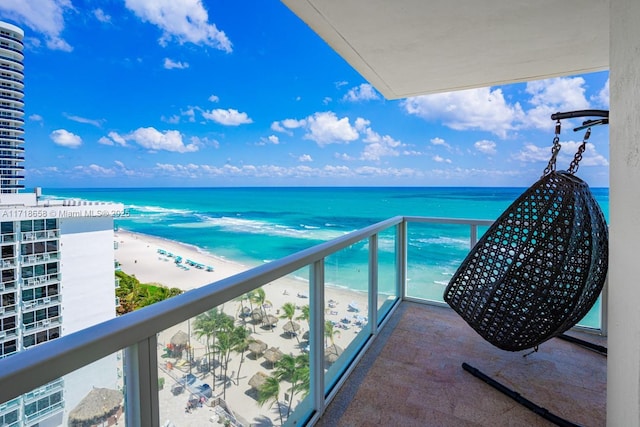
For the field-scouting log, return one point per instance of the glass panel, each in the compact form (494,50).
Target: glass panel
(99,386)
(346,308)
(387,272)
(434,253)
(244,362)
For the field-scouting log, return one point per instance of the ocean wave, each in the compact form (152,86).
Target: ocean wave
(159,210)
(442,240)
(252,226)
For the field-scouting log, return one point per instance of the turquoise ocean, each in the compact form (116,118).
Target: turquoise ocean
(257,225)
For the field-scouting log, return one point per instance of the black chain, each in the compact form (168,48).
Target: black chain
(573,167)
(554,152)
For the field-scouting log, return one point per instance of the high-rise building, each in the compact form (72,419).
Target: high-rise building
(11,109)
(56,265)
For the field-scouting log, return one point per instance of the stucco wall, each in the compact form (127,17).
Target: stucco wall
(623,373)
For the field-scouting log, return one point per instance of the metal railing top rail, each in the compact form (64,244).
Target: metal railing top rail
(458,221)
(38,365)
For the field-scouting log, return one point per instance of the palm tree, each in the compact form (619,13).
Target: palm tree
(240,344)
(259,297)
(330,331)
(210,324)
(296,371)
(306,314)
(269,391)
(224,345)
(289,310)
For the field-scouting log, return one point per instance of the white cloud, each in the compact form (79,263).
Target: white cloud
(214,98)
(175,119)
(101,16)
(553,95)
(285,125)
(95,170)
(42,16)
(378,146)
(65,138)
(153,139)
(271,139)
(228,117)
(364,92)
(439,141)
(440,159)
(36,117)
(602,98)
(532,154)
(479,109)
(113,138)
(326,128)
(305,158)
(485,146)
(170,64)
(182,20)
(93,122)
(275,171)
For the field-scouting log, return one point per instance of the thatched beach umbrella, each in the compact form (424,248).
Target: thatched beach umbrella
(291,327)
(273,355)
(257,347)
(96,407)
(270,320)
(257,315)
(257,380)
(180,339)
(332,353)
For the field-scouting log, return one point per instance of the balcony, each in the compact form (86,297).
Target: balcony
(401,360)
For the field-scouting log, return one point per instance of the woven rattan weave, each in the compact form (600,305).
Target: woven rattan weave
(538,269)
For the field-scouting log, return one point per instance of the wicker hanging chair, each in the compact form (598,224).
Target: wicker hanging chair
(540,267)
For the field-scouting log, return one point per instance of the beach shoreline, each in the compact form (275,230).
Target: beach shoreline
(147,258)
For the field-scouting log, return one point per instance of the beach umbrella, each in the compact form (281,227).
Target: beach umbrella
(257,347)
(96,407)
(180,338)
(332,353)
(257,380)
(270,320)
(273,355)
(257,315)
(291,327)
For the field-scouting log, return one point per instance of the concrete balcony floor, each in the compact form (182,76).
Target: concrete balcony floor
(412,376)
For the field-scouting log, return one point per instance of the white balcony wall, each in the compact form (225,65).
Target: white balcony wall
(623,374)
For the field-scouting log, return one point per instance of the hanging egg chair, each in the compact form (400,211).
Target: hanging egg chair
(541,265)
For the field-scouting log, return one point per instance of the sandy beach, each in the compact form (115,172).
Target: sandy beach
(147,257)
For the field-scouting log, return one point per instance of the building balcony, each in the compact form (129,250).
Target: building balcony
(43,324)
(39,258)
(32,236)
(6,145)
(398,362)
(12,70)
(40,303)
(46,279)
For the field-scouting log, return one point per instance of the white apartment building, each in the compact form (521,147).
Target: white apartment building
(56,266)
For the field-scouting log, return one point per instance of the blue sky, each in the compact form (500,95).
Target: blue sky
(137,93)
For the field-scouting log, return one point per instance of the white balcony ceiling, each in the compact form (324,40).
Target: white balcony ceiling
(413,47)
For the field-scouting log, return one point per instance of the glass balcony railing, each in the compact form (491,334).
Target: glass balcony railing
(271,345)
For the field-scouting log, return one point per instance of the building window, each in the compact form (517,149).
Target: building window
(8,347)
(8,324)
